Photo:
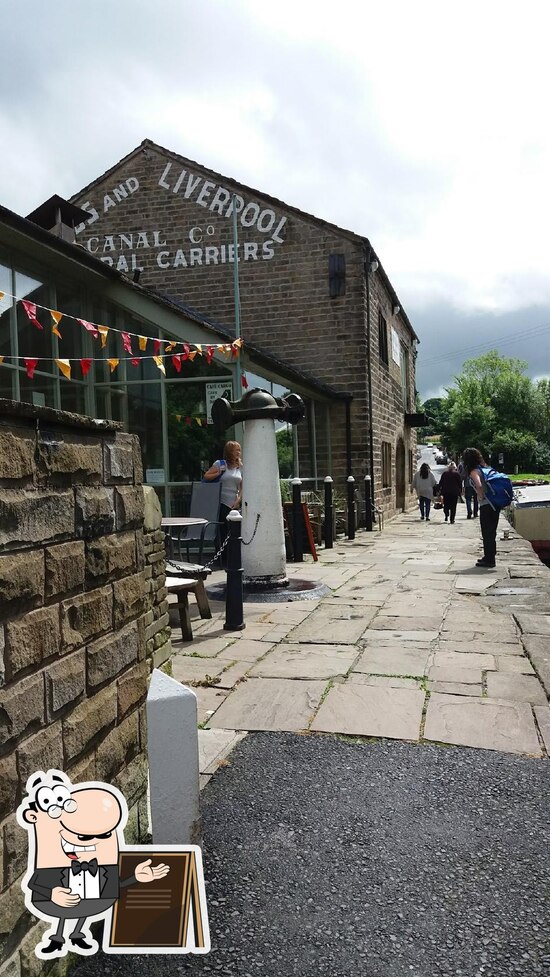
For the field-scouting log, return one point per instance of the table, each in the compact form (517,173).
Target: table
(180,523)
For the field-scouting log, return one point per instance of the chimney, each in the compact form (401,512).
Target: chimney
(59,217)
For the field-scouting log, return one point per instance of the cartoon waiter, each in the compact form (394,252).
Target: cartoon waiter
(75,833)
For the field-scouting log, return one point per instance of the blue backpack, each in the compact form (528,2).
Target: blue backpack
(499,490)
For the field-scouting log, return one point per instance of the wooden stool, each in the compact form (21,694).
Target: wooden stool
(182,587)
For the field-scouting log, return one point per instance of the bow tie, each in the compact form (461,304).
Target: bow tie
(78,867)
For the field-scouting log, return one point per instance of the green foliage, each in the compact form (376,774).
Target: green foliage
(495,407)
(285,452)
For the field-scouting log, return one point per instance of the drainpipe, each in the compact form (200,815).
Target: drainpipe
(368,256)
(348,436)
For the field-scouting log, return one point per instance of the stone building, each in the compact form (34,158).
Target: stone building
(312,295)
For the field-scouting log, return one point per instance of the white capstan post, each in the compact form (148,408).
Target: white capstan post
(173,752)
(264,559)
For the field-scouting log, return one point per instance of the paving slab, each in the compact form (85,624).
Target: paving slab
(456,659)
(450,641)
(484,723)
(187,669)
(449,673)
(214,746)
(542,714)
(365,710)
(534,623)
(383,681)
(393,661)
(234,673)
(264,704)
(208,700)
(520,688)
(203,645)
(514,663)
(246,650)
(334,625)
(538,649)
(388,623)
(455,688)
(306,661)
(392,637)
(477,584)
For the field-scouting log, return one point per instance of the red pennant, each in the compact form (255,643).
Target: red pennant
(30,366)
(234,350)
(136,361)
(126,342)
(244,382)
(85,367)
(176,360)
(157,345)
(30,309)
(209,354)
(185,354)
(188,420)
(89,326)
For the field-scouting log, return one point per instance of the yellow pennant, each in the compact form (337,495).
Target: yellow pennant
(192,355)
(158,360)
(103,332)
(169,347)
(221,348)
(2,295)
(2,358)
(65,367)
(57,317)
(238,343)
(142,342)
(198,420)
(199,349)
(113,364)
(178,416)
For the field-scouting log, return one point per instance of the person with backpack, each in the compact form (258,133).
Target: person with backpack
(494,491)
(425,482)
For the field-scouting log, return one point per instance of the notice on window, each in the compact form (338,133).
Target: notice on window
(154,476)
(214,390)
(395,347)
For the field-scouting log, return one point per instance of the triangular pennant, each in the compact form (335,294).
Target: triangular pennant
(85,365)
(176,362)
(169,347)
(192,355)
(209,354)
(30,366)
(136,361)
(57,317)
(65,367)
(238,343)
(113,364)
(221,348)
(234,350)
(2,295)
(2,358)
(244,382)
(127,342)
(199,349)
(90,327)
(30,309)
(185,354)
(156,346)
(199,422)
(188,420)
(103,332)
(142,342)
(178,418)
(159,361)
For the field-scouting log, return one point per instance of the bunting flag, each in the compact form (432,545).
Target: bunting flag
(30,366)
(30,309)
(142,340)
(178,418)
(176,362)
(185,354)
(199,348)
(156,346)
(136,360)
(244,382)
(65,367)
(187,420)
(160,363)
(57,317)
(2,295)
(209,354)
(103,332)
(113,364)
(2,359)
(199,422)
(169,347)
(192,354)
(85,366)
(90,327)
(126,342)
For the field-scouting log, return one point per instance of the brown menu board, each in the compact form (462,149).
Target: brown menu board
(161,914)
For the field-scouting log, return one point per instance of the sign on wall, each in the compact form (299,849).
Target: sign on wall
(395,347)
(213,391)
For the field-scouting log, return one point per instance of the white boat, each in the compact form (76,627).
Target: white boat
(530,516)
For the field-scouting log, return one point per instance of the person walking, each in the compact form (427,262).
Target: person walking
(489,513)
(450,487)
(424,483)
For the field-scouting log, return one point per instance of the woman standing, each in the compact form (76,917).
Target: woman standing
(228,471)
(488,513)
(424,482)
(451,488)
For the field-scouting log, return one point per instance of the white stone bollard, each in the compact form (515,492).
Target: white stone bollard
(173,750)
(264,559)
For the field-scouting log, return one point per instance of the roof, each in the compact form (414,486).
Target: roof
(370,253)
(79,254)
(46,214)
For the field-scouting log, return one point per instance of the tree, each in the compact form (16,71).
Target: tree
(496,408)
(285,452)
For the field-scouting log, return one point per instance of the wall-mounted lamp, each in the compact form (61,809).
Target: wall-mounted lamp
(396,309)
(373,266)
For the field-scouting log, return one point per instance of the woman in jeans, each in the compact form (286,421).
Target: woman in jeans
(488,513)
(228,471)
(424,482)
(450,487)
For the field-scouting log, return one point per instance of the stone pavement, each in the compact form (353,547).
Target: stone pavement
(413,643)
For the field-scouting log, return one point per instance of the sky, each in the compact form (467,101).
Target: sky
(421,126)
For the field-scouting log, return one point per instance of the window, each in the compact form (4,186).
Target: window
(383,338)
(337,275)
(386,464)
(411,470)
(405,384)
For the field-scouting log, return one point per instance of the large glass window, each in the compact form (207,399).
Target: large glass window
(192,444)
(5,311)
(145,420)
(33,342)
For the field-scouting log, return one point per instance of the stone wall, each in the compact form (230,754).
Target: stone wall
(82,612)
(166,215)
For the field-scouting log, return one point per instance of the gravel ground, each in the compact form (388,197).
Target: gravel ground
(327,858)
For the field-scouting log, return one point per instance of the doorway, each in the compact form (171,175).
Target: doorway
(400,475)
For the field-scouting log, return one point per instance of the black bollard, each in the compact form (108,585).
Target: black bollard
(351,507)
(297,521)
(368,504)
(329,516)
(234,586)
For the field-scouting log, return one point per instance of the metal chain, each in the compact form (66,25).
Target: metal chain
(254,533)
(206,566)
